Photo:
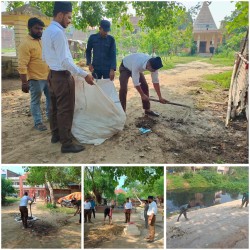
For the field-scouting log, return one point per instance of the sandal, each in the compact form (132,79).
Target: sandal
(152,113)
(40,127)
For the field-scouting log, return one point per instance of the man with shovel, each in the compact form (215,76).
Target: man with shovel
(24,210)
(133,66)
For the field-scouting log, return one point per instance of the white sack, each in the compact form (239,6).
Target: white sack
(98,112)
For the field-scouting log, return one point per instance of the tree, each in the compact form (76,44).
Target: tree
(6,189)
(104,180)
(52,176)
(99,183)
(235,28)
(145,175)
(121,198)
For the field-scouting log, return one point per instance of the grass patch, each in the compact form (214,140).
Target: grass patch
(8,50)
(220,61)
(63,210)
(10,200)
(222,79)
(174,181)
(208,86)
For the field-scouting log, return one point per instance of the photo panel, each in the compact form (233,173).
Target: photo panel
(207,207)
(124,207)
(41,207)
(149,82)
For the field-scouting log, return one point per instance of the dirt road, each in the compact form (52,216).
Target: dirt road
(220,226)
(201,138)
(50,231)
(97,235)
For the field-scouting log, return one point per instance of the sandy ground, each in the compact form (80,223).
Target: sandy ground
(220,226)
(177,136)
(50,231)
(97,235)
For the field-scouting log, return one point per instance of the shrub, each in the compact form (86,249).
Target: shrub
(188,175)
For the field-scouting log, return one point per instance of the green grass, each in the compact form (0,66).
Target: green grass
(171,63)
(175,181)
(10,200)
(204,178)
(58,209)
(221,79)
(7,50)
(208,86)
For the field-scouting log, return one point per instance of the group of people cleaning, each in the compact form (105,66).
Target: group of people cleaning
(45,65)
(150,212)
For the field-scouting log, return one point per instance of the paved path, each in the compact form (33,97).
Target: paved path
(220,226)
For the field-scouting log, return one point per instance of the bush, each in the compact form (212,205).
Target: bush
(50,206)
(211,177)
(188,175)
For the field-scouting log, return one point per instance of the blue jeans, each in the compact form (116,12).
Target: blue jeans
(37,87)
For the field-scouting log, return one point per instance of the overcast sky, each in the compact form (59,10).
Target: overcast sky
(219,9)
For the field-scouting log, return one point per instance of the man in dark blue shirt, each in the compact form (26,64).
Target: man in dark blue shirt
(103,45)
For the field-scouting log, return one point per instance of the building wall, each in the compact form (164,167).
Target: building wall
(210,37)
(8,39)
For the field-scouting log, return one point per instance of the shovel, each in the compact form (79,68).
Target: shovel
(30,213)
(176,104)
(171,103)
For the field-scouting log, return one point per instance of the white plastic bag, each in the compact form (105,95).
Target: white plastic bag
(98,112)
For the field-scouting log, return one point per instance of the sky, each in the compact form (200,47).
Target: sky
(16,169)
(219,9)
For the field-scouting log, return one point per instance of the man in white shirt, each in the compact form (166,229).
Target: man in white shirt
(57,55)
(87,211)
(127,209)
(23,209)
(133,66)
(152,212)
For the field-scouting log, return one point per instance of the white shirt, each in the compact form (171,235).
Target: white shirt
(128,205)
(152,209)
(24,201)
(55,50)
(136,63)
(87,205)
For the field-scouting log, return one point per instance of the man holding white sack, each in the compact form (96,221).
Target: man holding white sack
(57,55)
(133,66)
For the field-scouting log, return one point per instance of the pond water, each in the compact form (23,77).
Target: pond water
(199,198)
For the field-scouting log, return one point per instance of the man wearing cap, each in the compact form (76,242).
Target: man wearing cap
(152,212)
(103,46)
(133,66)
(57,55)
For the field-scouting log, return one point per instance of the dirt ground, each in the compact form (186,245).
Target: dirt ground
(97,235)
(178,135)
(220,226)
(50,231)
